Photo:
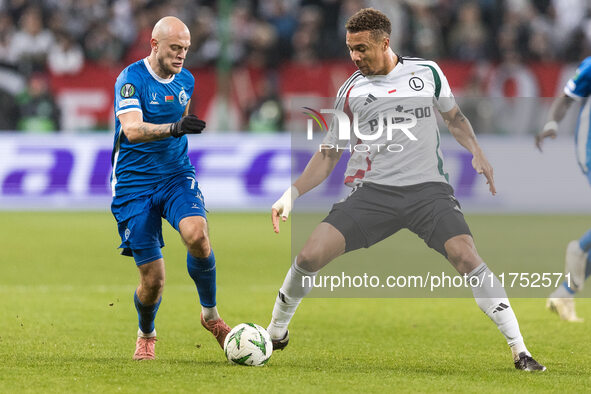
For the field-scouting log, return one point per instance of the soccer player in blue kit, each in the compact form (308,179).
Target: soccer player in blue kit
(578,261)
(152,178)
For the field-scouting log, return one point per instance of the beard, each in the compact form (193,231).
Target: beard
(167,68)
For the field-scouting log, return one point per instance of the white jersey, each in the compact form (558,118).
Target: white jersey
(416,87)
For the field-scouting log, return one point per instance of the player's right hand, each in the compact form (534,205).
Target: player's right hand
(283,206)
(545,134)
(189,124)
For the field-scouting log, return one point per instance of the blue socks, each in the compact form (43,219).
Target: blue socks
(585,244)
(202,271)
(146,314)
(585,241)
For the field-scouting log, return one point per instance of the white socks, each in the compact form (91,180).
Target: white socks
(210,313)
(490,297)
(492,300)
(142,334)
(294,288)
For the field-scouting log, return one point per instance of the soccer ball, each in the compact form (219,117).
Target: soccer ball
(248,344)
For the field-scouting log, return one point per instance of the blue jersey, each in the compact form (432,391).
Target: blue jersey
(579,88)
(140,167)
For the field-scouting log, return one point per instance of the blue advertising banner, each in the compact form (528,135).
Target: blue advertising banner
(245,172)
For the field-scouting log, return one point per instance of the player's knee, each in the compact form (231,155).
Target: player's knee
(459,256)
(310,258)
(153,284)
(463,256)
(198,244)
(194,234)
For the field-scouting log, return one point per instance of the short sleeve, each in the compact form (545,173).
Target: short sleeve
(127,93)
(443,99)
(579,86)
(341,104)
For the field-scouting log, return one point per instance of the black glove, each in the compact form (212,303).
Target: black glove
(189,124)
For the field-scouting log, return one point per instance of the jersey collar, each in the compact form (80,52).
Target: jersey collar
(391,73)
(396,68)
(155,76)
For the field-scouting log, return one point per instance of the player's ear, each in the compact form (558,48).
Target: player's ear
(154,44)
(386,43)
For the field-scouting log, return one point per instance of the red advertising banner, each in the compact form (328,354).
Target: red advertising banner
(86,99)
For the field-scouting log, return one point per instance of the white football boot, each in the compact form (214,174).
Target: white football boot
(565,308)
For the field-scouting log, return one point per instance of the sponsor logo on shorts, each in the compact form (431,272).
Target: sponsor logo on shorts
(127,233)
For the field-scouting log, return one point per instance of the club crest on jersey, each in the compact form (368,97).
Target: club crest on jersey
(127,90)
(416,83)
(183,99)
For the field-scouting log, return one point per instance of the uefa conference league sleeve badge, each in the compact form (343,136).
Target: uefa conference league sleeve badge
(127,90)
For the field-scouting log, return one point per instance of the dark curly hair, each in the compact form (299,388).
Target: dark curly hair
(372,20)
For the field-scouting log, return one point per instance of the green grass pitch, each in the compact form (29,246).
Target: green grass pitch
(67,322)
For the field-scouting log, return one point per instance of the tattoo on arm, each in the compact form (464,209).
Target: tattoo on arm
(460,117)
(459,126)
(331,154)
(154,131)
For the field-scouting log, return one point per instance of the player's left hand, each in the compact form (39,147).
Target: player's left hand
(189,124)
(282,207)
(482,166)
(550,133)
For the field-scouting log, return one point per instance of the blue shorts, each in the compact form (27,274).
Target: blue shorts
(139,215)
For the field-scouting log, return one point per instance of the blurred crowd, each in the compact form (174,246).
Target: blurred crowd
(58,37)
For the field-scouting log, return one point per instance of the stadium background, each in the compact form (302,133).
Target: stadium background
(252,61)
(60,273)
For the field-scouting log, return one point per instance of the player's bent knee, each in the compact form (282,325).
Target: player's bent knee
(198,244)
(310,259)
(194,233)
(461,252)
(197,239)
(153,284)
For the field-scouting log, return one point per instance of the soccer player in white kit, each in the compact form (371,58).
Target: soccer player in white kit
(406,188)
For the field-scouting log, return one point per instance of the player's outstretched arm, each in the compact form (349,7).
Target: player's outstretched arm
(558,110)
(136,130)
(318,169)
(459,126)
